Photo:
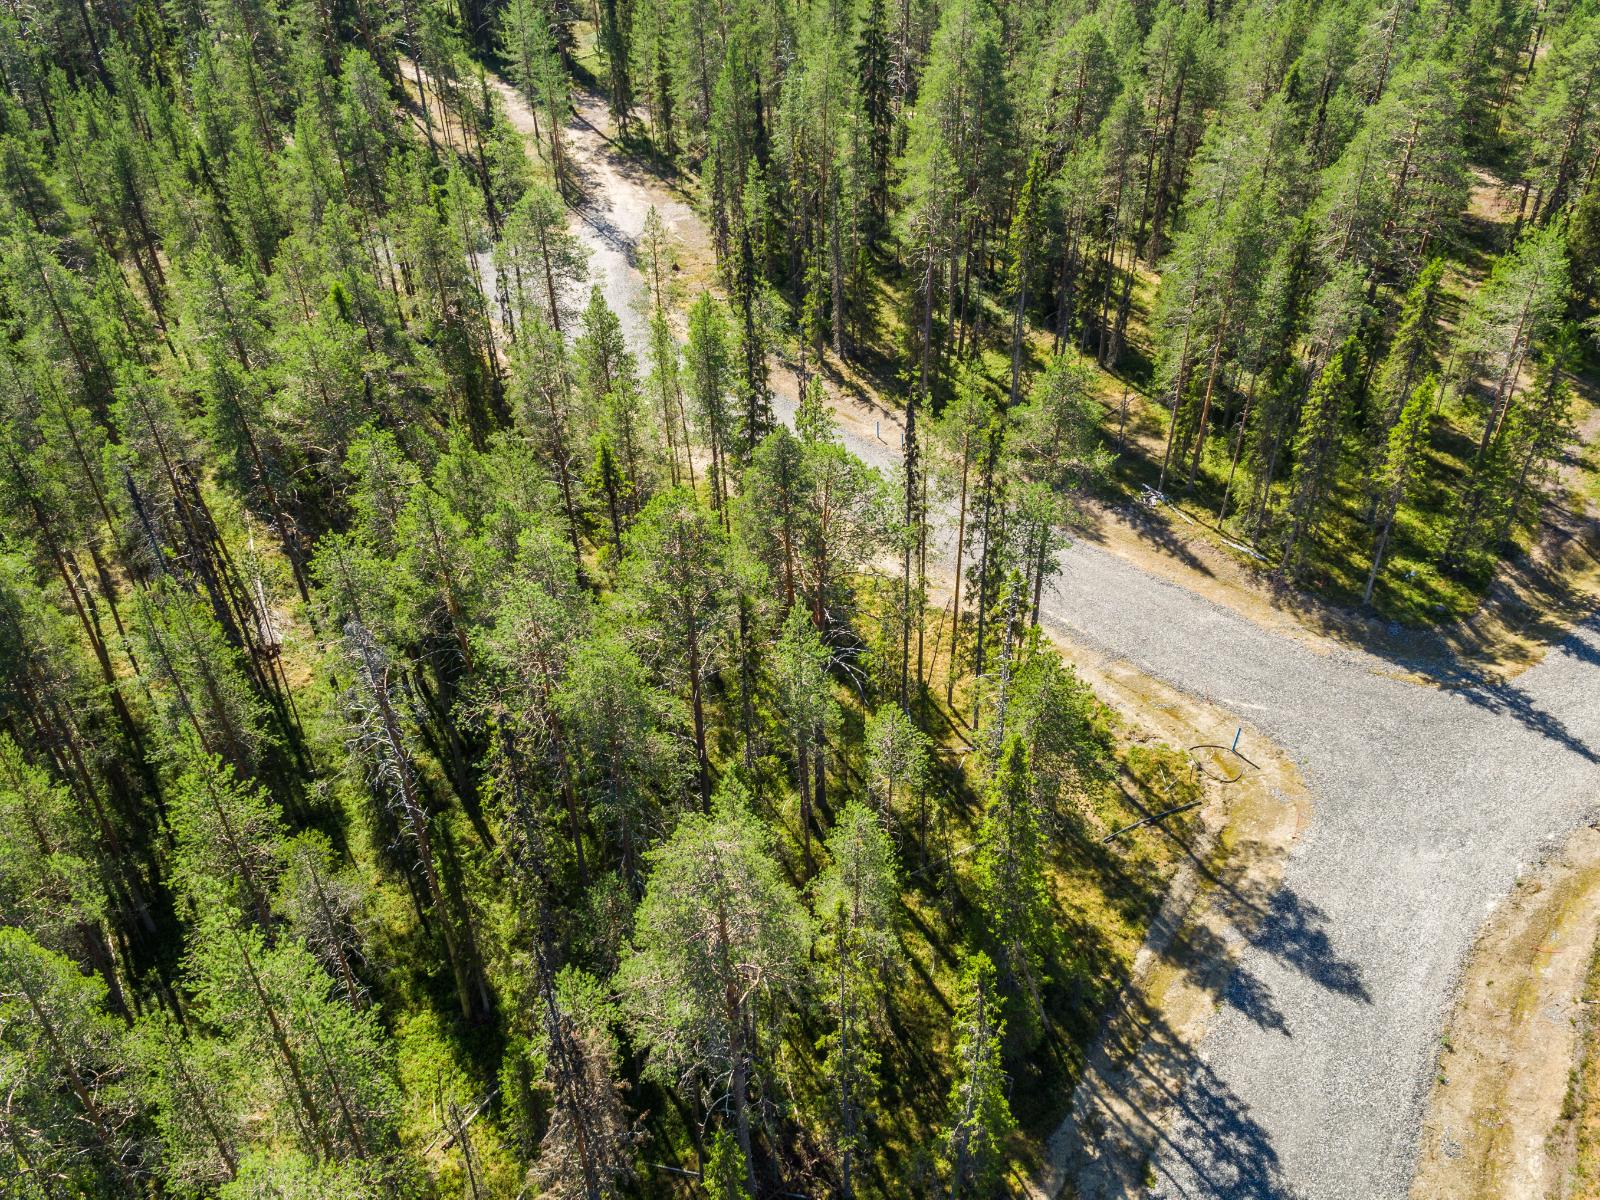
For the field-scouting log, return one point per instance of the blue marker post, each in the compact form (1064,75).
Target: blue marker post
(1236,733)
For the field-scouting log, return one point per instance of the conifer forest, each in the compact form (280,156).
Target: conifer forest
(529,533)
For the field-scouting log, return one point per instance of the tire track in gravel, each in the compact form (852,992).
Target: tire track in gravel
(1435,788)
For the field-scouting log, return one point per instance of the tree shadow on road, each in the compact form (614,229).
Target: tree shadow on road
(1508,698)
(1294,931)
(1150,1108)
(1210,962)
(1276,920)
(1150,1098)
(1583,642)
(1249,995)
(1168,1115)
(596,213)
(1161,531)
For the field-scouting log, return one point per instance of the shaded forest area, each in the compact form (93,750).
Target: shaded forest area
(442,753)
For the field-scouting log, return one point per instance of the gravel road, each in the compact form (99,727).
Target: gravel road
(1429,800)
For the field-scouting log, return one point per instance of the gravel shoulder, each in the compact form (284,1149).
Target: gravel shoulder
(1434,789)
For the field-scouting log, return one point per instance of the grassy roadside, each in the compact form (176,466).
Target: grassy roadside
(1580,1109)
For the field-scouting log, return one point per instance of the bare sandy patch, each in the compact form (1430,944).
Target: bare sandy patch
(1494,1125)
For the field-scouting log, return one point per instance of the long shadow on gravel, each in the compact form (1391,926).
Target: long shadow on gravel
(1295,931)
(1206,959)
(1222,1144)
(1254,999)
(1282,923)
(1154,1095)
(1505,697)
(1584,649)
(1208,963)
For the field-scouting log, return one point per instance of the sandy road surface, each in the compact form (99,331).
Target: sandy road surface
(1430,798)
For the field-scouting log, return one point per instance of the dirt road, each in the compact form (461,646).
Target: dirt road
(1433,789)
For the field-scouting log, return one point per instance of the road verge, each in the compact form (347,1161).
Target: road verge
(1182,974)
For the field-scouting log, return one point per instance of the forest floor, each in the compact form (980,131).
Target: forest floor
(1343,966)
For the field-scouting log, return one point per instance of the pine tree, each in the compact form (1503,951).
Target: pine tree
(1021,240)
(604,364)
(1559,116)
(1411,355)
(544,401)
(1268,422)
(230,841)
(1401,184)
(58,883)
(799,666)
(972,1146)
(1508,318)
(898,762)
(193,1085)
(675,589)
(772,510)
(718,951)
(203,698)
(636,770)
(1057,441)
(707,357)
(437,582)
(586,1151)
(959,439)
(323,1067)
(1583,245)
(543,259)
(952,169)
(1317,448)
(1535,430)
(615,35)
(381,741)
(324,907)
(529,47)
(1012,892)
(1056,715)
(71,1116)
(873,70)
(1394,478)
(844,513)
(725,1168)
(652,47)
(857,900)
(540,621)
